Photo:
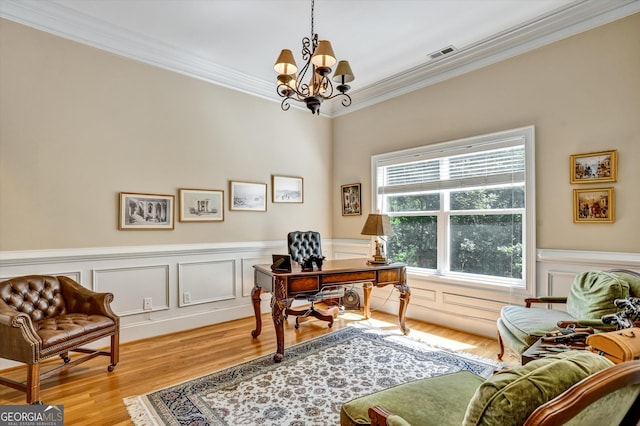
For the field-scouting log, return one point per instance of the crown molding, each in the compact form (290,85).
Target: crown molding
(573,19)
(577,17)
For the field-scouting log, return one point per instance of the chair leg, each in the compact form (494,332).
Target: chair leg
(33,383)
(115,351)
(501,354)
(322,314)
(326,314)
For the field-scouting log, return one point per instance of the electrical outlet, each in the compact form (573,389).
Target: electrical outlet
(186,297)
(146,304)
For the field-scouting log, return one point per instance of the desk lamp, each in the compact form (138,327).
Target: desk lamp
(377,225)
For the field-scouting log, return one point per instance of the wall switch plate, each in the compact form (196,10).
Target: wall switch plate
(146,304)
(186,297)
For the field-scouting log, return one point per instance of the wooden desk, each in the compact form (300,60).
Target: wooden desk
(286,285)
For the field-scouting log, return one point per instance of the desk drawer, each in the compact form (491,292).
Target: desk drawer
(388,276)
(349,277)
(303,285)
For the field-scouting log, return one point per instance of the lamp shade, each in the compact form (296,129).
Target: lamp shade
(285,64)
(343,73)
(377,225)
(324,56)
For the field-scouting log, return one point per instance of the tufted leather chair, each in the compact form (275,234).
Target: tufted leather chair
(303,244)
(43,316)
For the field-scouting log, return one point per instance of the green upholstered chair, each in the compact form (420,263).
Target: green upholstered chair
(591,296)
(575,387)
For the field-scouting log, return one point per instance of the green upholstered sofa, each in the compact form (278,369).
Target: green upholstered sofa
(591,296)
(548,391)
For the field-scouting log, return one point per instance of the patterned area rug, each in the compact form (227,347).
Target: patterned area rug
(308,387)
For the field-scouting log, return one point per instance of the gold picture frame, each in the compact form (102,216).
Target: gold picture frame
(594,167)
(201,205)
(247,196)
(287,189)
(593,205)
(351,199)
(146,211)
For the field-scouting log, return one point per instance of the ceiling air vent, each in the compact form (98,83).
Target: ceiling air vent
(442,52)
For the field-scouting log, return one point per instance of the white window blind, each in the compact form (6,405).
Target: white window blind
(476,169)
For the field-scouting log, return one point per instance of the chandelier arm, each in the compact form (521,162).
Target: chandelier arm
(302,87)
(308,46)
(346,101)
(285,105)
(328,93)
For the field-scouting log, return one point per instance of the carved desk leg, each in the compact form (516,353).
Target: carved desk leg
(255,299)
(405,295)
(366,289)
(278,307)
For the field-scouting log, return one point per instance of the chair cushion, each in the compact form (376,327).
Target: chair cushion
(529,324)
(440,400)
(592,294)
(510,396)
(64,328)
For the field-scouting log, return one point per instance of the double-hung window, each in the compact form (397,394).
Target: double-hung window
(463,209)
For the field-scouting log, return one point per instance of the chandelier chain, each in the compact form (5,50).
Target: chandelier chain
(312,7)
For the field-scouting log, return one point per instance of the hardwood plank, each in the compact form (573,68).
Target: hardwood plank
(91,396)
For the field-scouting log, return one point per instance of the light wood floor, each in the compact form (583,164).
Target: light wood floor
(91,396)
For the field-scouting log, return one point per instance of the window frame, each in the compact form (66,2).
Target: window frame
(520,136)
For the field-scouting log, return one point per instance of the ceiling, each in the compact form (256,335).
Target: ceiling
(388,43)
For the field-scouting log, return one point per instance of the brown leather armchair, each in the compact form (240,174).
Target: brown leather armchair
(43,316)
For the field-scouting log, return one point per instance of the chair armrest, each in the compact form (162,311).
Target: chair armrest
(394,420)
(593,323)
(378,415)
(544,299)
(20,342)
(79,299)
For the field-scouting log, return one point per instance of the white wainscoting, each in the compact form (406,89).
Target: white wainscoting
(191,286)
(476,308)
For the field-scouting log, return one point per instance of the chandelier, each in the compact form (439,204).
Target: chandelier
(312,84)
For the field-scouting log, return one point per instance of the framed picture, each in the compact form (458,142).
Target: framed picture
(595,205)
(286,189)
(351,200)
(248,196)
(201,205)
(594,167)
(146,211)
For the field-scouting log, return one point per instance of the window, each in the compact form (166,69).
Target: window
(463,209)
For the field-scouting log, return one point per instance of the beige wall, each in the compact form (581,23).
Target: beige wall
(79,125)
(582,94)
